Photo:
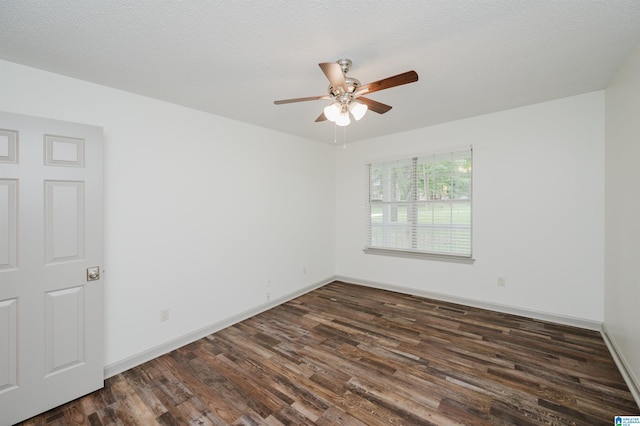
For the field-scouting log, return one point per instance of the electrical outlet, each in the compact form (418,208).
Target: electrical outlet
(164,315)
(502,281)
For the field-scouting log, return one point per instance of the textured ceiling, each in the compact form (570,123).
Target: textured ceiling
(234,58)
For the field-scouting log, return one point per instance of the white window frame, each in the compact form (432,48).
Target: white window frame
(385,236)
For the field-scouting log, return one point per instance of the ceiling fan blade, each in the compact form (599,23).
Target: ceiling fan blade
(375,106)
(310,98)
(334,74)
(321,117)
(389,82)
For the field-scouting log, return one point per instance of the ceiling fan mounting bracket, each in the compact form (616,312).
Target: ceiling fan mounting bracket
(345,65)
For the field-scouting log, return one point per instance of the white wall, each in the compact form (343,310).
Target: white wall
(538,211)
(622,227)
(186,191)
(200,210)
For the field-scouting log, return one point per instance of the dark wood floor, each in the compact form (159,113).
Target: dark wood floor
(351,355)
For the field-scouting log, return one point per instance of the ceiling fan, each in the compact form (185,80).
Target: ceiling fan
(346,93)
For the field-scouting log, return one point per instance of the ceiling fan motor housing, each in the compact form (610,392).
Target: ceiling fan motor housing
(351,83)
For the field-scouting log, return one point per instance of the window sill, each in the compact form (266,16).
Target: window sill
(419,255)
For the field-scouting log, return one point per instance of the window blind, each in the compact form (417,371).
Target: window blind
(421,204)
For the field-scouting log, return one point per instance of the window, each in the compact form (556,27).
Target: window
(421,205)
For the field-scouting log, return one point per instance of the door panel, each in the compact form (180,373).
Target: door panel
(9,342)
(51,232)
(64,213)
(8,146)
(65,329)
(62,151)
(8,223)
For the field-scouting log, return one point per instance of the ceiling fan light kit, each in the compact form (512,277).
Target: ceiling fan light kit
(333,111)
(346,93)
(339,112)
(357,109)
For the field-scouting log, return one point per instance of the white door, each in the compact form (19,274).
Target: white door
(51,236)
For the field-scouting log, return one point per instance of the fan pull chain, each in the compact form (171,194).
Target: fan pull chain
(344,137)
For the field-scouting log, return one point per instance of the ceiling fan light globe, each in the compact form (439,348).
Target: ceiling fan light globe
(332,112)
(343,119)
(358,109)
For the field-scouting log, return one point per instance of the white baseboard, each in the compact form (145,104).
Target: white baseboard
(630,379)
(544,316)
(132,361)
(627,373)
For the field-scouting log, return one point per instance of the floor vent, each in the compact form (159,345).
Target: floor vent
(454,310)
